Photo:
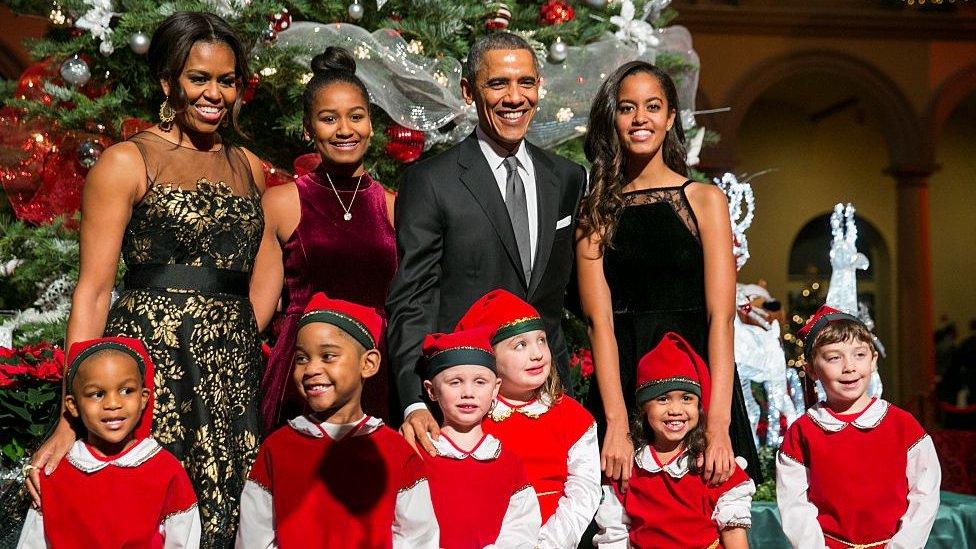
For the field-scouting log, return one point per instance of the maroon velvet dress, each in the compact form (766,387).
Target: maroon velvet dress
(352,260)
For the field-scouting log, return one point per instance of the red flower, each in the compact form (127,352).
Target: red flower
(5,381)
(582,359)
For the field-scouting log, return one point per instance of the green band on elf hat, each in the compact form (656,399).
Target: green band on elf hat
(84,355)
(654,389)
(345,323)
(458,356)
(516,327)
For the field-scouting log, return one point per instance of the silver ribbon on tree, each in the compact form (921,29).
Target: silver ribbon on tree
(424,93)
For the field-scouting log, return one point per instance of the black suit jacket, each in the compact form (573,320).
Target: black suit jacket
(455,243)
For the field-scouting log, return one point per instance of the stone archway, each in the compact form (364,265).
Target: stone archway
(904,134)
(947,97)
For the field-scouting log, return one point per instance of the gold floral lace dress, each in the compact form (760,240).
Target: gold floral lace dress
(188,249)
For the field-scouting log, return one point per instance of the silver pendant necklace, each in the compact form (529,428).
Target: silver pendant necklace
(348,214)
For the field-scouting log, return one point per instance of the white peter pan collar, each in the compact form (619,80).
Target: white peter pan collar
(868,419)
(335,431)
(82,458)
(533,409)
(677,467)
(487,449)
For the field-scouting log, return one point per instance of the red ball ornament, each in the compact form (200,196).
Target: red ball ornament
(554,12)
(250,89)
(404,145)
(280,21)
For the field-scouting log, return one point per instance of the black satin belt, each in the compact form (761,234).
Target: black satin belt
(206,280)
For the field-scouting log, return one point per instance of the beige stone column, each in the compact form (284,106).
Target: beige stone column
(916,350)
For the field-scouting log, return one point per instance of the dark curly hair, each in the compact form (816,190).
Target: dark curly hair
(695,442)
(600,208)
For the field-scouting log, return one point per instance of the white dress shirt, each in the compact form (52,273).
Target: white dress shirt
(496,155)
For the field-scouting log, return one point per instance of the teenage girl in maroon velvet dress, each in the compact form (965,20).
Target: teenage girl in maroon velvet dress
(330,231)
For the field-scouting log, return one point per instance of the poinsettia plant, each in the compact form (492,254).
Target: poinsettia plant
(30,393)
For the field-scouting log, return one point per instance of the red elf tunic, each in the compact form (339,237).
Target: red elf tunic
(884,453)
(665,506)
(139,498)
(322,485)
(482,498)
(558,446)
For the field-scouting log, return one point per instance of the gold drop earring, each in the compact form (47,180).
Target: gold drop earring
(166,115)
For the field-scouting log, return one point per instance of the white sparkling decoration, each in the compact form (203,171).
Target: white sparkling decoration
(564,114)
(75,71)
(542,92)
(742,207)
(415,47)
(362,52)
(305,78)
(441,78)
(97,20)
(269,71)
(558,51)
(638,31)
(356,10)
(139,42)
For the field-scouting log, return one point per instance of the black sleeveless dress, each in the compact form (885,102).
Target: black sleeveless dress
(188,249)
(655,268)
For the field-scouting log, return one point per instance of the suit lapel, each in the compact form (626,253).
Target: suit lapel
(547,197)
(478,177)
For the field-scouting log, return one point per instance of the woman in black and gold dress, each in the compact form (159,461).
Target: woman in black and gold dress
(184,210)
(654,256)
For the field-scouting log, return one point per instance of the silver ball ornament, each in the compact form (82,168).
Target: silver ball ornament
(558,51)
(139,42)
(356,11)
(88,152)
(75,71)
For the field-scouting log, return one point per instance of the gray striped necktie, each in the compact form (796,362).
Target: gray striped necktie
(518,212)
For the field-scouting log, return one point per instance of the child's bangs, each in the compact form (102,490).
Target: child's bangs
(841,331)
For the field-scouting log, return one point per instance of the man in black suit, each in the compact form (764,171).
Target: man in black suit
(492,212)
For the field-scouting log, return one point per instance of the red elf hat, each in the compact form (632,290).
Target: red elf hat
(82,350)
(504,313)
(363,323)
(818,321)
(671,366)
(443,351)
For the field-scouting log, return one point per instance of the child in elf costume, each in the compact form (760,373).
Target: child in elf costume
(482,496)
(668,503)
(553,435)
(336,477)
(854,471)
(120,488)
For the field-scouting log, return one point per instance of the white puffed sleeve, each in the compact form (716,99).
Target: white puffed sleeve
(257,526)
(32,534)
(581,495)
(182,530)
(414,523)
(799,516)
(734,508)
(613,523)
(924,478)
(520,526)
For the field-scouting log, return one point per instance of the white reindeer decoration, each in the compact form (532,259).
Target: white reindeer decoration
(758,354)
(845,261)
